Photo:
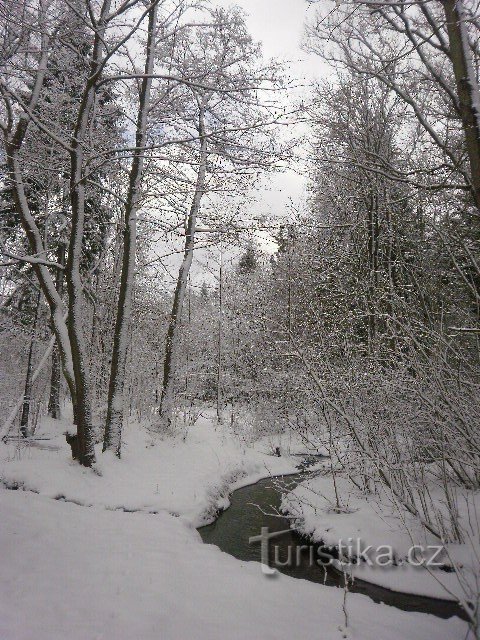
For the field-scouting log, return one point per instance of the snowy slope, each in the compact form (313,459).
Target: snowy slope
(190,477)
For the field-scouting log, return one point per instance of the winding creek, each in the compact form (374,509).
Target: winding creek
(255,506)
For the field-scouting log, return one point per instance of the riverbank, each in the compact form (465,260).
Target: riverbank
(100,571)
(189,475)
(256,506)
(376,523)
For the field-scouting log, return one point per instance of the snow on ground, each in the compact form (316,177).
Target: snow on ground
(189,477)
(91,574)
(376,522)
(99,573)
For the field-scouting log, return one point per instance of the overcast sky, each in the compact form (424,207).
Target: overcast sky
(278,24)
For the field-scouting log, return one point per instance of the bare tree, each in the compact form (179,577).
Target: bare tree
(18,113)
(44,26)
(421,51)
(113,427)
(56,373)
(223,98)
(461,56)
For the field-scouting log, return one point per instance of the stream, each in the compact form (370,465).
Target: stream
(246,515)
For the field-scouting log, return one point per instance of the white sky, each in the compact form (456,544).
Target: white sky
(278,24)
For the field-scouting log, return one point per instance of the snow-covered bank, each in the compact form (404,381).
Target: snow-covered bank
(376,523)
(188,477)
(88,573)
(84,574)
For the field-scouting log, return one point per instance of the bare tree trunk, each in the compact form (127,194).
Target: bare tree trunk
(55,377)
(290,249)
(467,87)
(84,441)
(171,346)
(220,341)
(391,259)
(27,394)
(372,250)
(115,411)
(82,410)
(7,425)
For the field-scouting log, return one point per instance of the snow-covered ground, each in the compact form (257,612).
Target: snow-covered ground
(187,476)
(98,572)
(380,521)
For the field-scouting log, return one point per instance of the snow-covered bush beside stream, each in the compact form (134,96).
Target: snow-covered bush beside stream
(378,520)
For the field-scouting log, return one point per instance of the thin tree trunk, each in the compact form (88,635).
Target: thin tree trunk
(220,342)
(372,249)
(55,378)
(84,444)
(115,411)
(84,441)
(27,394)
(391,270)
(467,87)
(8,424)
(171,346)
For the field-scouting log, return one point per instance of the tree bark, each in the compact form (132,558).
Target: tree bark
(372,252)
(27,394)
(220,342)
(467,87)
(83,406)
(115,411)
(56,374)
(171,346)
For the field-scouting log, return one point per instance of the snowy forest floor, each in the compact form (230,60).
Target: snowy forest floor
(91,570)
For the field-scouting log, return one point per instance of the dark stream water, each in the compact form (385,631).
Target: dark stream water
(255,506)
